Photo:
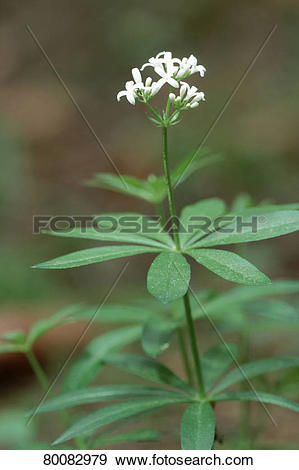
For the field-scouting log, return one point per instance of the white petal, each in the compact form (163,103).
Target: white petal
(120,94)
(148,81)
(182,72)
(201,69)
(183,90)
(136,75)
(129,85)
(156,86)
(167,56)
(192,60)
(194,105)
(191,92)
(160,71)
(131,97)
(172,82)
(172,97)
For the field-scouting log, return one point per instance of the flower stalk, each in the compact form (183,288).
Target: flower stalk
(186,299)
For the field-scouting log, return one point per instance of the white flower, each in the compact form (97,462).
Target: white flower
(136,88)
(171,71)
(132,86)
(188,98)
(129,92)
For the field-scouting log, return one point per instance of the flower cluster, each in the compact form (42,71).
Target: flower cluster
(170,71)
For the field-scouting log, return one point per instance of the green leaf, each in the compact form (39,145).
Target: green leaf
(269,225)
(150,227)
(192,163)
(10,348)
(275,311)
(168,277)
(110,414)
(157,334)
(152,190)
(242,202)
(255,368)
(209,208)
(216,360)
(15,336)
(85,369)
(94,255)
(230,266)
(198,427)
(141,435)
(264,208)
(117,313)
(239,295)
(149,369)
(259,397)
(101,394)
(132,187)
(115,236)
(62,317)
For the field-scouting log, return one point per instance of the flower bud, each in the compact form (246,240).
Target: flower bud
(136,75)
(183,90)
(148,81)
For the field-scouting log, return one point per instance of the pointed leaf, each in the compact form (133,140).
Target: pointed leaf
(274,311)
(150,227)
(239,295)
(15,336)
(157,334)
(198,427)
(149,369)
(113,413)
(141,435)
(259,397)
(94,255)
(209,208)
(242,202)
(85,369)
(10,348)
(168,277)
(269,225)
(265,208)
(229,266)
(255,368)
(114,236)
(117,313)
(101,394)
(126,185)
(64,316)
(192,163)
(216,360)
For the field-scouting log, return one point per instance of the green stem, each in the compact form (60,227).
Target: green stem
(190,323)
(184,354)
(36,367)
(194,347)
(169,189)
(180,331)
(43,380)
(245,407)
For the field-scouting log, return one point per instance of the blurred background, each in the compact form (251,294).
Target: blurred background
(47,151)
